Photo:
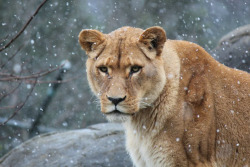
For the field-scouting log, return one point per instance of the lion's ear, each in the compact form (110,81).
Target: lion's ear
(153,39)
(90,39)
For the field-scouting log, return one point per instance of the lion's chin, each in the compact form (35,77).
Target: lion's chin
(117,117)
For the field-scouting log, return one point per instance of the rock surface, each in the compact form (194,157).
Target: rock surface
(233,49)
(100,145)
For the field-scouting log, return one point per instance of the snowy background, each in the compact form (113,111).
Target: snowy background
(52,37)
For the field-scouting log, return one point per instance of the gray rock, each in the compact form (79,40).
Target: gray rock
(233,49)
(100,145)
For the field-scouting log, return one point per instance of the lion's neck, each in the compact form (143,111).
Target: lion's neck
(148,130)
(154,120)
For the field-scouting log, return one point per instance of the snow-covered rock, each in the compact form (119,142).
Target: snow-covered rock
(99,145)
(233,49)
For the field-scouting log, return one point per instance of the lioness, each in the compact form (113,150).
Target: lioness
(179,106)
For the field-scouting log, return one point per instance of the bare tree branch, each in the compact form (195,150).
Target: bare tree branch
(10,92)
(10,107)
(9,59)
(54,81)
(11,77)
(19,107)
(24,27)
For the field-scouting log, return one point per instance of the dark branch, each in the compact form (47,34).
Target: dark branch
(19,107)
(53,89)
(9,93)
(17,78)
(54,81)
(3,65)
(24,27)
(11,107)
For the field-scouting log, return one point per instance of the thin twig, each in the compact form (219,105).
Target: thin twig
(10,92)
(6,74)
(10,107)
(47,82)
(9,59)
(19,107)
(37,75)
(24,27)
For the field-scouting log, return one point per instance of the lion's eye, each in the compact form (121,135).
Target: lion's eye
(135,69)
(103,69)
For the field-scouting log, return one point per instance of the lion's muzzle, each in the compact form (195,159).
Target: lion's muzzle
(115,101)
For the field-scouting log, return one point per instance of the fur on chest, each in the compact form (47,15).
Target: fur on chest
(145,151)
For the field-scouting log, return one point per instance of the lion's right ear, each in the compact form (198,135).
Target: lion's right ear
(152,41)
(90,39)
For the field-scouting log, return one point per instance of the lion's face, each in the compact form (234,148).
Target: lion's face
(125,69)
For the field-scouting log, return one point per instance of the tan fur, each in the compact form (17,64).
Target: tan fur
(182,108)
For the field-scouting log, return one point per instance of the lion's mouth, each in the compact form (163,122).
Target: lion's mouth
(117,112)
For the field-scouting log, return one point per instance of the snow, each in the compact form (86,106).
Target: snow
(170,76)
(17,68)
(32,42)
(66,64)
(44,48)
(65,124)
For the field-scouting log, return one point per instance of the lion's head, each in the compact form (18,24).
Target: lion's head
(125,68)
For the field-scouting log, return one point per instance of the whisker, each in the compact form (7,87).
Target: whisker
(144,104)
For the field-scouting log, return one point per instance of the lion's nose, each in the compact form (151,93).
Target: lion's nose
(115,101)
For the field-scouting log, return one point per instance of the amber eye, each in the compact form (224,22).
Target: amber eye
(103,69)
(135,69)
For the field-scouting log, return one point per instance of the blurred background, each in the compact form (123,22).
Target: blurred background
(42,96)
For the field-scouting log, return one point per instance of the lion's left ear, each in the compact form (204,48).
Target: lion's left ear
(152,40)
